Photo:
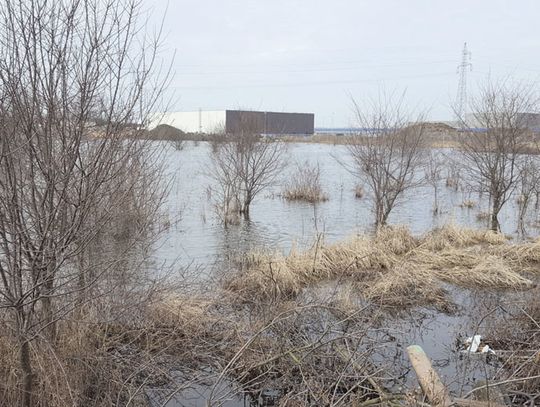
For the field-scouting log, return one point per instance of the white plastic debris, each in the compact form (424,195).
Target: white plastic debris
(474,343)
(487,349)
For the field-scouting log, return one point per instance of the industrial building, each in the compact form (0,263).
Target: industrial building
(236,121)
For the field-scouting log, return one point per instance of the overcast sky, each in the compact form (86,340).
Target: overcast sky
(314,55)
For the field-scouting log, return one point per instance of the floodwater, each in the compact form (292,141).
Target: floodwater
(198,240)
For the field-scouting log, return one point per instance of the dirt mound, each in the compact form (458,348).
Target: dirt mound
(165,132)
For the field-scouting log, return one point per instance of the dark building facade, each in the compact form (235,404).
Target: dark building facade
(269,123)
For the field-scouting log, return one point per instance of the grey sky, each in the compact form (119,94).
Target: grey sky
(310,55)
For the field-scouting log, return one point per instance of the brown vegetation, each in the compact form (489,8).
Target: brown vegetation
(80,198)
(433,175)
(303,329)
(393,261)
(468,203)
(359,192)
(305,184)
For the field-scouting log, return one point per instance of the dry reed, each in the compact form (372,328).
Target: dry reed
(469,204)
(392,267)
(305,184)
(359,192)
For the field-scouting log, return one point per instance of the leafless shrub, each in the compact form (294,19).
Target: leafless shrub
(453,175)
(305,184)
(80,191)
(178,144)
(483,216)
(306,354)
(492,156)
(388,156)
(528,187)
(243,165)
(515,334)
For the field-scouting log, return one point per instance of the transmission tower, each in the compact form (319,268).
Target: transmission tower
(461,100)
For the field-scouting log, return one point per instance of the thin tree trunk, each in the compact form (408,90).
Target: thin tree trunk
(26,367)
(495,226)
(379,220)
(245,209)
(48,312)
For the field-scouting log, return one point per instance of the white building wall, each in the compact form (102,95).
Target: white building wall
(191,122)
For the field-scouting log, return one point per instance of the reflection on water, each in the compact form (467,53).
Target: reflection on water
(197,237)
(440,335)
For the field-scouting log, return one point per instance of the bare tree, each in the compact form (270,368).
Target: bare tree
(528,187)
(433,175)
(497,137)
(453,174)
(76,84)
(225,173)
(388,153)
(244,164)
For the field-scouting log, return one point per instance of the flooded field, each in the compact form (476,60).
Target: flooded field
(197,240)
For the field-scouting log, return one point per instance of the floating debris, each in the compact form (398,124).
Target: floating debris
(474,344)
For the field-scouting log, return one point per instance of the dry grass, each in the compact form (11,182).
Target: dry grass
(469,204)
(483,216)
(359,192)
(526,254)
(470,270)
(305,184)
(306,194)
(106,363)
(393,267)
(404,288)
(516,336)
(452,183)
(290,339)
(453,236)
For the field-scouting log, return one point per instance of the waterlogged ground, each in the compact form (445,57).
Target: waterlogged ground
(196,238)
(440,335)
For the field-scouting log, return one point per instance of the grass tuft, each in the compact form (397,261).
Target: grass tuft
(305,185)
(393,267)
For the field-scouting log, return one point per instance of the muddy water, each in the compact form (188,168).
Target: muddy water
(197,239)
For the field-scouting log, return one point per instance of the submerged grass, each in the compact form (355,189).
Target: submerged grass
(393,268)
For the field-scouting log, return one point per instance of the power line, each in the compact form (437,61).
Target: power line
(353,66)
(310,83)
